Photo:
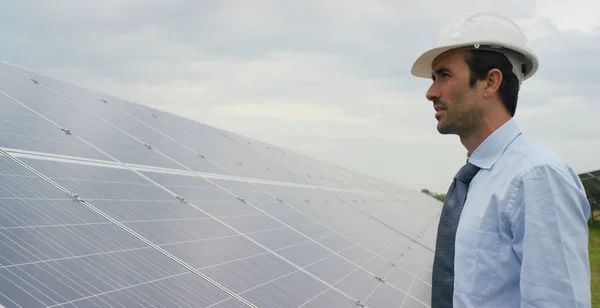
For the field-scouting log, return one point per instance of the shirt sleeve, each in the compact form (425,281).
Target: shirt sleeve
(550,238)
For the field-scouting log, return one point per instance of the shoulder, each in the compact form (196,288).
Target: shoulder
(530,160)
(542,178)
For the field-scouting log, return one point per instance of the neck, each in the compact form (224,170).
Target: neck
(487,126)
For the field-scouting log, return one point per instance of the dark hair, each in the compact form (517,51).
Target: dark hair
(480,62)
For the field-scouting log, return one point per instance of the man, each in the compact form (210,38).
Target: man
(522,237)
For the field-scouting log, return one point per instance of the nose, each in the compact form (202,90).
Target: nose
(433,92)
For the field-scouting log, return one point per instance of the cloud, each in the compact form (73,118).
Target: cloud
(572,16)
(291,112)
(327,78)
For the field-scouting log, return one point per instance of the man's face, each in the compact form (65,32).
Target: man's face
(457,104)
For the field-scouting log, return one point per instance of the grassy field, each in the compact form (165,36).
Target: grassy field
(595,262)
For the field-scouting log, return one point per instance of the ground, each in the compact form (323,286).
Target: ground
(594,248)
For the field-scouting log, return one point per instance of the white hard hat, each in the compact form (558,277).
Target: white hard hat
(482,30)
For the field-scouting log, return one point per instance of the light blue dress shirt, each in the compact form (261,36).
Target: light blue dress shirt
(522,240)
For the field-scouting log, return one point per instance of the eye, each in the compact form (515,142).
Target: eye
(440,73)
(441,76)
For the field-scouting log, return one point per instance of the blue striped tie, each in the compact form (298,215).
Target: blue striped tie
(442,284)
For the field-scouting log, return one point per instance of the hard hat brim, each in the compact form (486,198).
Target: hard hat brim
(422,66)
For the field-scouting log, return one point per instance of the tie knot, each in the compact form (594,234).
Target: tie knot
(466,173)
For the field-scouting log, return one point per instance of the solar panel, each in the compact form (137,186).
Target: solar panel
(114,204)
(591,182)
(58,253)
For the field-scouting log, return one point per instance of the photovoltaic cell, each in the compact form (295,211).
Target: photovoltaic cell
(268,231)
(322,206)
(407,269)
(364,236)
(81,123)
(307,287)
(312,171)
(235,157)
(274,227)
(24,130)
(54,252)
(328,298)
(195,153)
(400,214)
(209,246)
(99,106)
(326,243)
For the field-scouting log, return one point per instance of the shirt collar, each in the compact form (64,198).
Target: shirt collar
(489,151)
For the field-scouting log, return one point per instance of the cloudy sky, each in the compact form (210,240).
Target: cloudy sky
(328,78)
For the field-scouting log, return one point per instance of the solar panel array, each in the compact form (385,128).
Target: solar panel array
(107,203)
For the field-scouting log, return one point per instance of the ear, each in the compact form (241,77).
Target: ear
(493,81)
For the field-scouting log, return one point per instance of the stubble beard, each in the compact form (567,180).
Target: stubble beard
(459,121)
